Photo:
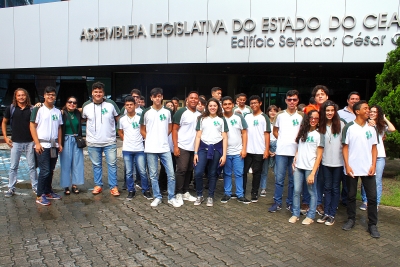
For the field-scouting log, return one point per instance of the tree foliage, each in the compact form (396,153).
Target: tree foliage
(387,95)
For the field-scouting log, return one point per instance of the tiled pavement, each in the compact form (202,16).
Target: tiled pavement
(87,230)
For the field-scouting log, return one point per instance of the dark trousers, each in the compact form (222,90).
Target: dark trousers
(255,161)
(184,169)
(344,192)
(46,169)
(369,183)
(162,178)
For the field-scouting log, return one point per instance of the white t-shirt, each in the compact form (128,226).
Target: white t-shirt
(187,121)
(246,110)
(48,122)
(289,126)
(236,123)
(133,140)
(100,125)
(271,136)
(212,129)
(307,151)
(333,156)
(380,146)
(257,126)
(156,122)
(360,140)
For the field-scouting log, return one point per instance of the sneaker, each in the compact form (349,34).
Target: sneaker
(199,200)
(363,206)
(307,221)
(373,230)
(174,202)
(188,197)
(293,219)
(148,195)
(289,207)
(53,195)
(323,219)
(275,207)
(97,190)
(42,200)
(156,202)
(9,193)
(348,225)
(131,195)
(179,199)
(330,221)
(304,208)
(220,178)
(320,209)
(210,202)
(138,186)
(263,193)
(254,198)
(225,199)
(115,192)
(234,196)
(243,200)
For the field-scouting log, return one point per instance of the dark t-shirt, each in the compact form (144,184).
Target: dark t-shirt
(20,132)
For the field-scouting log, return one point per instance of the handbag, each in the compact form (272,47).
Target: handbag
(80,142)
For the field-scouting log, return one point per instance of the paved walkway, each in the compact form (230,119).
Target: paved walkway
(87,230)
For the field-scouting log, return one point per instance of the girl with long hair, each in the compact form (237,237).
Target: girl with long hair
(382,125)
(332,159)
(306,163)
(210,147)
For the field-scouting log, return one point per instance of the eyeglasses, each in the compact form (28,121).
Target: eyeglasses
(52,95)
(314,119)
(72,102)
(292,99)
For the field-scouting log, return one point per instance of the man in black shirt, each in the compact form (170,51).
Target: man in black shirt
(18,114)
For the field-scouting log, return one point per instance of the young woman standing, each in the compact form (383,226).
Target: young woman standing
(382,125)
(332,159)
(210,147)
(306,163)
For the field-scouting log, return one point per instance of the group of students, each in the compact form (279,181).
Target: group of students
(319,148)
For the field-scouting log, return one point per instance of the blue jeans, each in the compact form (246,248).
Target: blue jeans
(16,152)
(46,171)
(95,154)
(213,165)
(283,163)
(71,161)
(380,165)
(332,176)
(299,176)
(166,161)
(234,165)
(320,187)
(268,163)
(135,162)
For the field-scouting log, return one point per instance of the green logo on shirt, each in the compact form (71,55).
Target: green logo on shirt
(233,122)
(135,125)
(368,134)
(295,122)
(216,123)
(104,111)
(310,139)
(162,117)
(255,123)
(54,117)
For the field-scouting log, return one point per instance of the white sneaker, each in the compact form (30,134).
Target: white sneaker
(174,202)
(210,202)
(179,199)
(155,202)
(187,196)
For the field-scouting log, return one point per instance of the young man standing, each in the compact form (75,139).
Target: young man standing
(359,155)
(216,93)
(133,149)
(259,130)
(19,114)
(242,108)
(101,115)
(286,127)
(45,129)
(175,101)
(183,136)
(155,126)
(236,152)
